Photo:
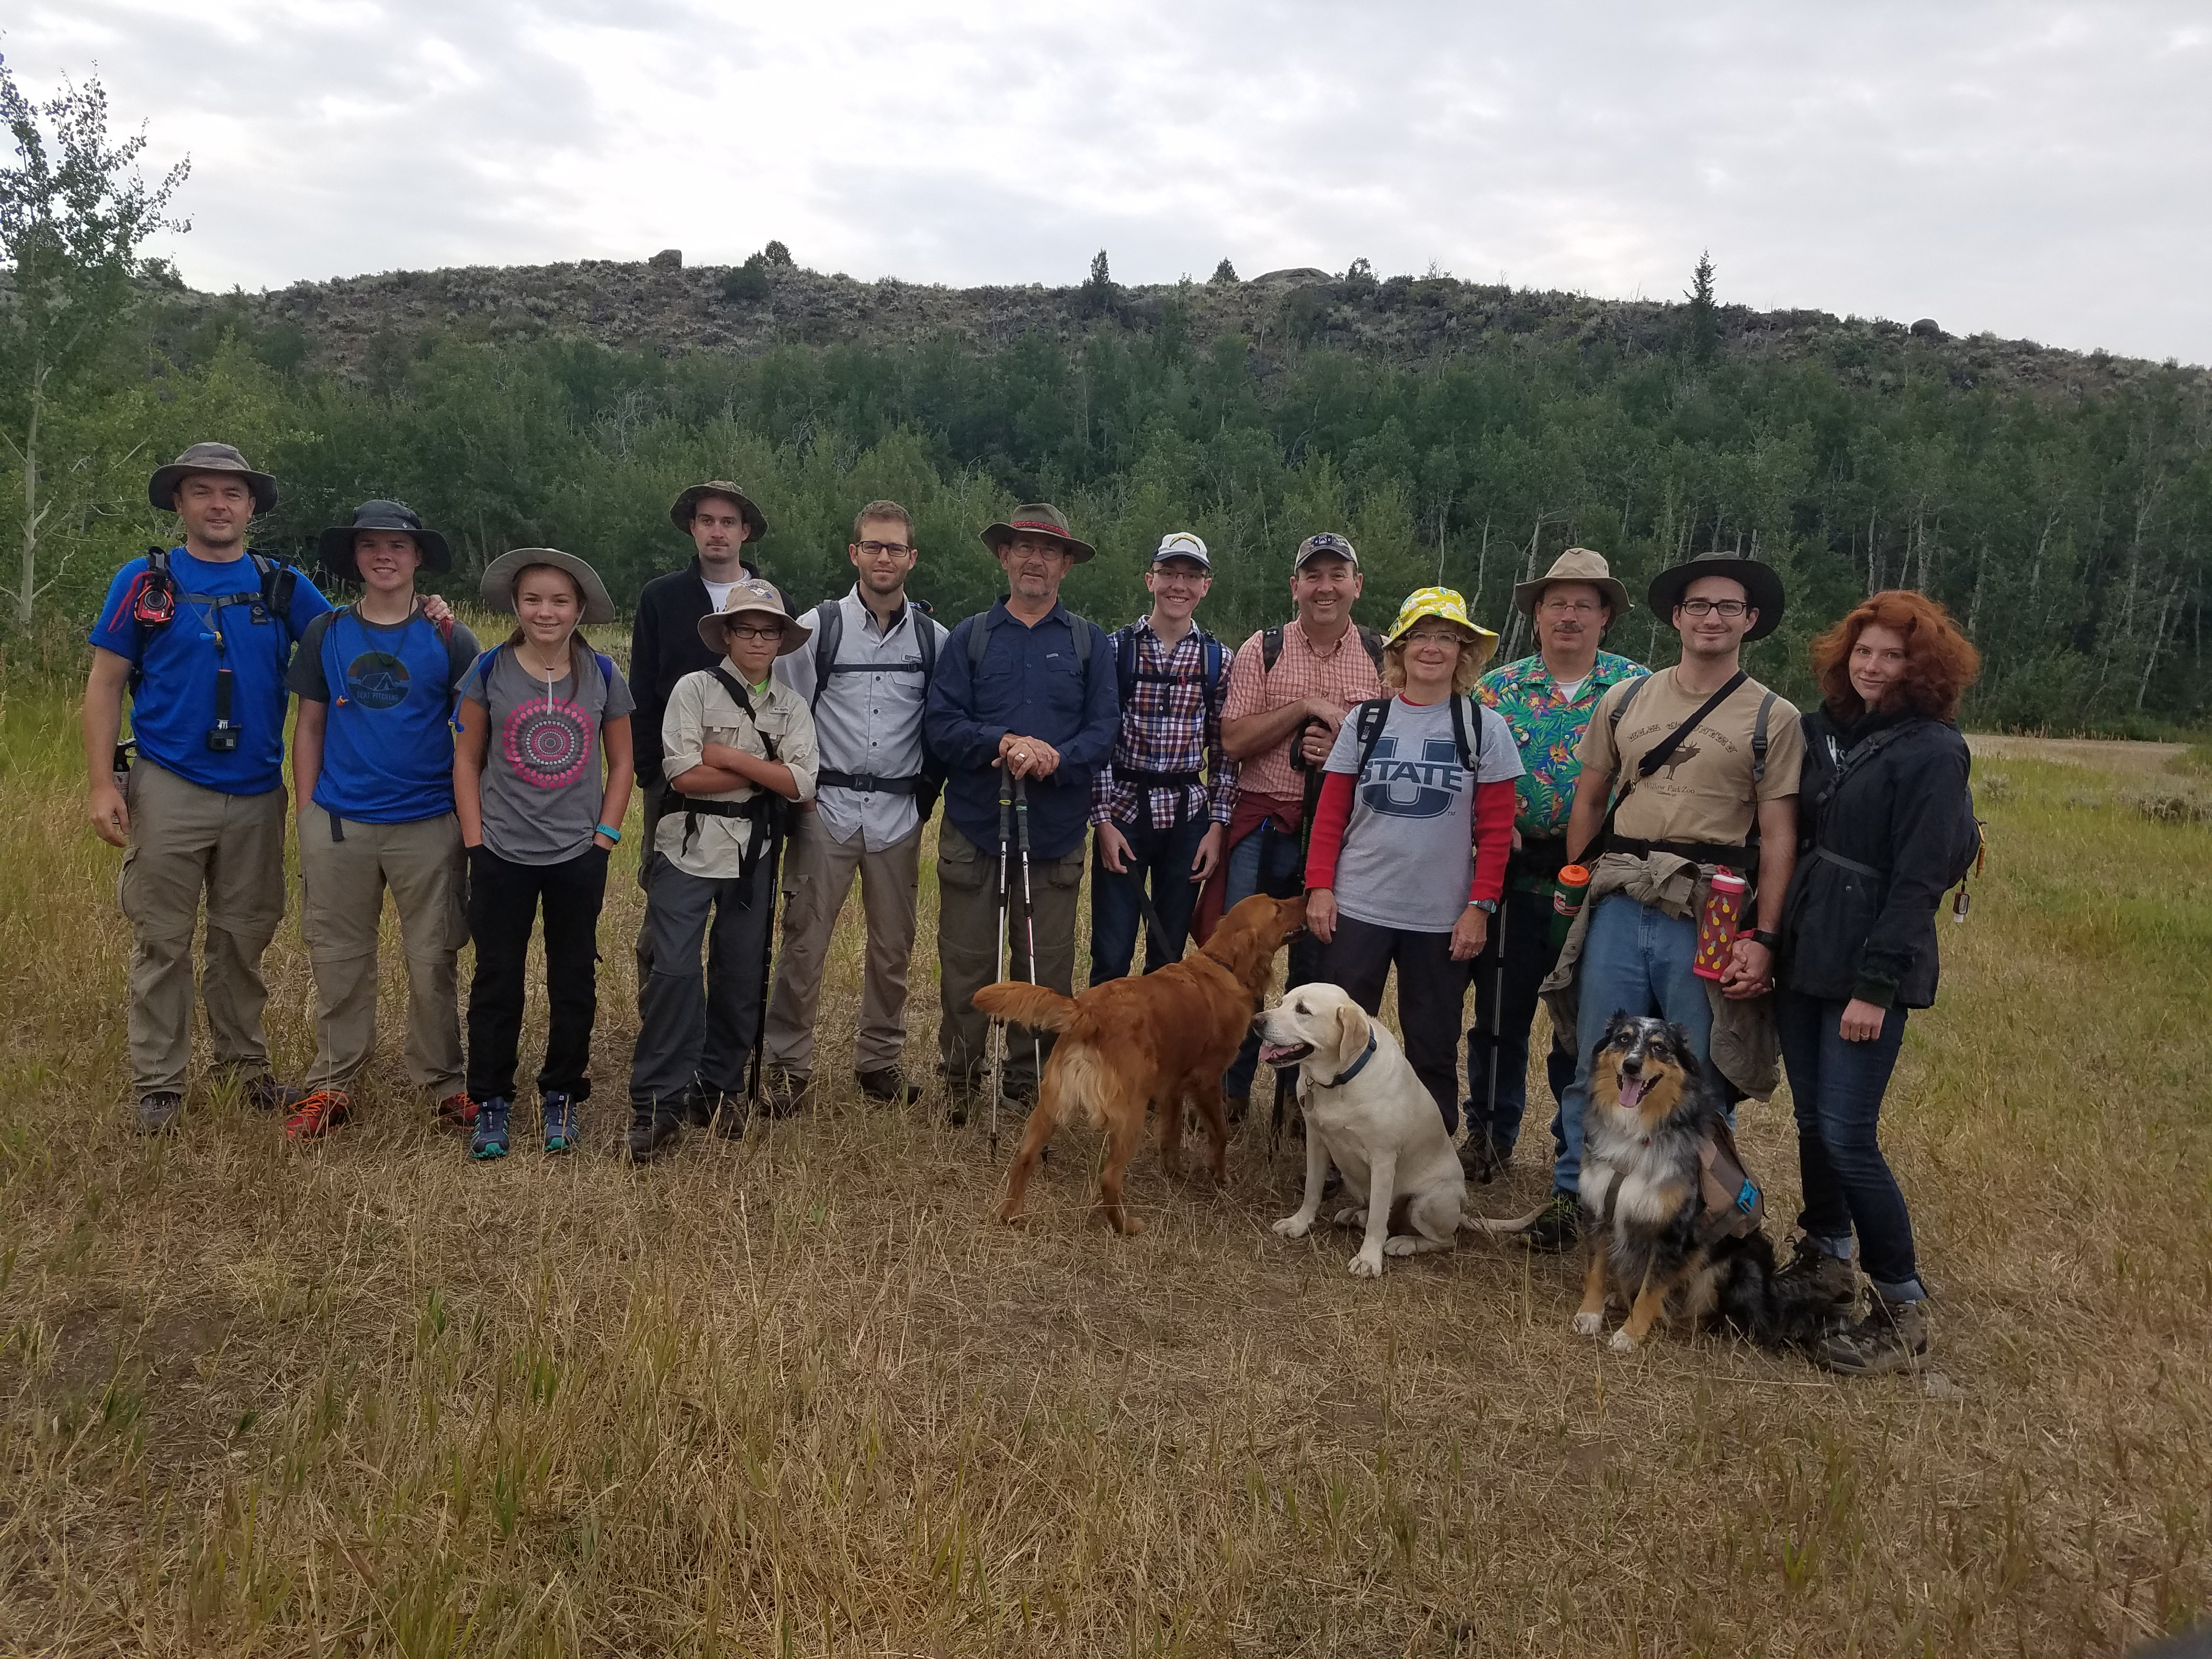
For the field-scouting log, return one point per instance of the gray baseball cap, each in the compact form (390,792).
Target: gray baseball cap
(1326,544)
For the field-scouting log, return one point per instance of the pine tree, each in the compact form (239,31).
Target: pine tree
(1704,329)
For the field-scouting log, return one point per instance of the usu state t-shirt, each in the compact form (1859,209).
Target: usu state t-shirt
(1408,856)
(387,748)
(543,779)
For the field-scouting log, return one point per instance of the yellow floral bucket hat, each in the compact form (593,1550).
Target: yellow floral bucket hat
(1446,603)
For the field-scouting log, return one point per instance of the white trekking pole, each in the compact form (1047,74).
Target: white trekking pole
(998,1033)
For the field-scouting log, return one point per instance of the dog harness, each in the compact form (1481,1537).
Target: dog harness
(1730,1203)
(1353,1070)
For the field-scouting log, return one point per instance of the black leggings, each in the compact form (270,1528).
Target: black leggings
(503,903)
(1431,991)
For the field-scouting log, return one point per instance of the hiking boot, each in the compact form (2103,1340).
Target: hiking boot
(559,1114)
(1892,1337)
(266,1094)
(1814,1279)
(1560,1227)
(728,1115)
(318,1114)
(651,1127)
(888,1086)
(158,1111)
(490,1137)
(782,1093)
(1482,1159)
(698,1108)
(456,1111)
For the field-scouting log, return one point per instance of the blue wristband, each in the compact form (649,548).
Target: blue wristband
(610,832)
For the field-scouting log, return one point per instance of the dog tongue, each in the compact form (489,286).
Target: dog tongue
(1632,1090)
(1271,1052)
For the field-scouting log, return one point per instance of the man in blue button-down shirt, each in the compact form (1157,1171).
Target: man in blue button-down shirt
(1038,698)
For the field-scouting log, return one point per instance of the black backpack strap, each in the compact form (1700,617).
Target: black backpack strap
(1270,648)
(925,637)
(979,640)
(1125,662)
(1759,741)
(1373,642)
(1369,720)
(828,631)
(1470,757)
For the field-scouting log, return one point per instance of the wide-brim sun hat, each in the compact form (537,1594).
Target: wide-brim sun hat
(1577,564)
(1762,587)
(686,504)
(162,488)
(1445,605)
(756,598)
(501,573)
(1038,518)
(335,545)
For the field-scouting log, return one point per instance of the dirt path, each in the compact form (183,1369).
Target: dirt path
(2104,754)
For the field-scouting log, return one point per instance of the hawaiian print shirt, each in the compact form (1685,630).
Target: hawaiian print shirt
(1549,729)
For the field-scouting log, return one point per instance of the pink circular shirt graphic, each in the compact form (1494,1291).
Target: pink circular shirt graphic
(547,744)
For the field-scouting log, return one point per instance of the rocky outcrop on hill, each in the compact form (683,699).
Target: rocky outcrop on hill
(662,304)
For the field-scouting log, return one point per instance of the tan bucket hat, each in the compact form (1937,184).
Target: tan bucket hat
(762,599)
(1577,564)
(501,575)
(1038,518)
(688,503)
(162,488)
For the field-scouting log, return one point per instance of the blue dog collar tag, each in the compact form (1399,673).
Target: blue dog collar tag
(1746,1198)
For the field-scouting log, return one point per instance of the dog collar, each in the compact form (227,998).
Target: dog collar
(1355,1068)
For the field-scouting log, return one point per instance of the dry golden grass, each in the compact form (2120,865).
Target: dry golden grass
(801,1395)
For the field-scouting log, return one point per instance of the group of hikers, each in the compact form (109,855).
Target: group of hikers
(1437,812)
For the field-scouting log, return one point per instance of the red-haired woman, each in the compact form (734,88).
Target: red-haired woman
(1885,823)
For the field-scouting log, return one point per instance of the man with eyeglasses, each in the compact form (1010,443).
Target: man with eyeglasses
(1685,773)
(1156,818)
(664,643)
(867,678)
(1545,699)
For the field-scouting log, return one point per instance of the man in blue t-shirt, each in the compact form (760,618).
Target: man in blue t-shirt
(200,634)
(373,772)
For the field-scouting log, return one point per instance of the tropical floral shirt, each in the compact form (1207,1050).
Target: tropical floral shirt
(1549,729)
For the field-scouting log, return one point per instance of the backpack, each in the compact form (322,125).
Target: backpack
(830,633)
(482,674)
(152,599)
(1270,647)
(1126,674)
(1371,716)
(979,641)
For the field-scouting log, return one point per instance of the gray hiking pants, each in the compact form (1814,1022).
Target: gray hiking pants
(689,1032)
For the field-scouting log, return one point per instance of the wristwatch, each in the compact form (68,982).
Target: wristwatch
(1770,939)
(1488,907)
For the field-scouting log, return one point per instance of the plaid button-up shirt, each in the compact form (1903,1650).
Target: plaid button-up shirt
(1345,677)
(1166,726)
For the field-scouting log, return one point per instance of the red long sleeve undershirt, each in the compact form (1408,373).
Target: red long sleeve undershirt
(1494,808)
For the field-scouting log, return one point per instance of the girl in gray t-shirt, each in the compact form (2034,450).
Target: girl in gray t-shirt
(542,772)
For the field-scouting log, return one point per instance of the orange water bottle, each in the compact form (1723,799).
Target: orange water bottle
(1717,923)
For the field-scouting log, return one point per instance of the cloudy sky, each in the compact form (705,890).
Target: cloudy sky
(2037,170)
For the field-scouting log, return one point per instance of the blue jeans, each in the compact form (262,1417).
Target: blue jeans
(1635,960)
(1266,861)
(1836,1088)
(1525,923)
(1161,859)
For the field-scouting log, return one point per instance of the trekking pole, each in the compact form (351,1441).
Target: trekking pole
(1497,999)
(768,952)
(998,1031)
(1029,910)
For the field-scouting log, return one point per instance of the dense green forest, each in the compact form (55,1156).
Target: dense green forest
(2069,534)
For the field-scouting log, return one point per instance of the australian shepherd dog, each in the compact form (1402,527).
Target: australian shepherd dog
(1663,1233)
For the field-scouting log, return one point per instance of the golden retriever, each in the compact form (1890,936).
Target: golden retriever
(1158,1041)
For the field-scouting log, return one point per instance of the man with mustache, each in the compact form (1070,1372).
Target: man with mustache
(1546,699)
(1027,685)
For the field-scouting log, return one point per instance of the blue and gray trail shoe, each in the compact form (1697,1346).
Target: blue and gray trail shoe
(560,1113)
(489,1138)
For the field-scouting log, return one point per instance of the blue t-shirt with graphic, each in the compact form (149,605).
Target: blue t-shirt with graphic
(388,744)
(174,703)
(1408,855)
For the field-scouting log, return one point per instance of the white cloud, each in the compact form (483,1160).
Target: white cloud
(2028,168)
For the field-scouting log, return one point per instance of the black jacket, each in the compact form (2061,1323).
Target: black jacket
(663,647)
(1902,809)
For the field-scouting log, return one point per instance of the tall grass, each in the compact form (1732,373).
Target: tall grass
(799,1395)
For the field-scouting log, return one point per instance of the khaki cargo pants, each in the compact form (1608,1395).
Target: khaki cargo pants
(817,874)
(187,842)
(968,950)
(344,868)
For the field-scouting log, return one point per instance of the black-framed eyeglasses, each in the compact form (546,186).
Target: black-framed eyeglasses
(1729,608)
(748,632)
(876,550)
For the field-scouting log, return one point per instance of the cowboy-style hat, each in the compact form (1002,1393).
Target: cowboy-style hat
(762,598)
(1038,518)
(688,503)
(1446,606)
(1577,564)
(336,543)
(162,488)
(1762,587)
(501,575)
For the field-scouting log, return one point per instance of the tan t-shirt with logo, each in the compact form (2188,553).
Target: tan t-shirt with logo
(1703,791)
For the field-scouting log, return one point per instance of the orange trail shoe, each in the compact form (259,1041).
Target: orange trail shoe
(318,1114)
(457,1112)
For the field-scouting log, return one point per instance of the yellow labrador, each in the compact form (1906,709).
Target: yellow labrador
(1365,1109)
